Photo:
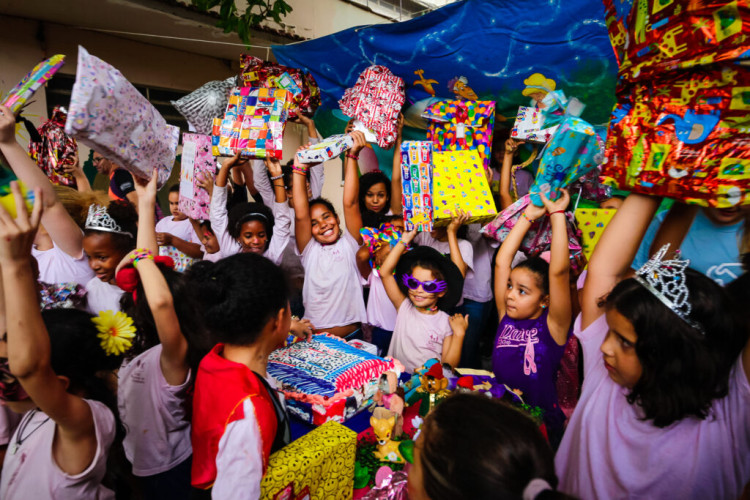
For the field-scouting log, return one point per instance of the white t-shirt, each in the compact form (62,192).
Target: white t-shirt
(180,228)
(101,296)
(418,337)
(332,294)
(55,266)
(477,285)
(263,183)
(153,412)
(230,246)
(467,254)
(31,472)
(380,309)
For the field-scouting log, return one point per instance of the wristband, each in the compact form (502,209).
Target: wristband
(527,217)
(140,254)
(353,157)
(557,212)
(277,177)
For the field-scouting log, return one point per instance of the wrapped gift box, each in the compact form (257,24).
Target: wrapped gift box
(376,100)
(109,115)
(202,105)
(529,126)
(197,162)
(259,73)
(591,222)
(55,150)
(253,123)
(459,181)
(42,72)
(574,151)
(328,148)
(416,184)
(320,464)
(461,125)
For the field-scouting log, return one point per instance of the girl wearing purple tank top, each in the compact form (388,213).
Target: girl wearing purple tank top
(533,327)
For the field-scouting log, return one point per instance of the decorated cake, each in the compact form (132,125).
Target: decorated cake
(326,378)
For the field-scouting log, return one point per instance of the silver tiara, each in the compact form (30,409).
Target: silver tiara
(99,220)
(666,280)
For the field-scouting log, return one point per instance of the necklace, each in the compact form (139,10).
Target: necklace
(20,438)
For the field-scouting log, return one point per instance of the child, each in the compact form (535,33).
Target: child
(533,304)
(238,420)
(664,408)
(473,447)
(60,447)
(250,226)
(175,230)
(374,194)
(332,293)
(154,381)
(209,241)
(432,284)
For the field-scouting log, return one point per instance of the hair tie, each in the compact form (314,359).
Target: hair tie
(534,488)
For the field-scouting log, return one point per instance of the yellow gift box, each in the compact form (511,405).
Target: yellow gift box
(459,181)
(591,222)
(318,466)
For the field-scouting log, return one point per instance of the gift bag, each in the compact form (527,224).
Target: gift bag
(574,150)
(301,84)
(376,100)
(539,236)
(55,150)
(202,105)
(320,464)
(328,148)
(416,184)
(529,126)
(591,223)
(42,72)
(109,115)
(253,123)
(197,162)
(461,125)
(459,181)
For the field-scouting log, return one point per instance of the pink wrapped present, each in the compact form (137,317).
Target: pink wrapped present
(376,100)
(197,162)
(109,115)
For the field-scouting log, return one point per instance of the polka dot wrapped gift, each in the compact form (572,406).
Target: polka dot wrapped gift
(459,182)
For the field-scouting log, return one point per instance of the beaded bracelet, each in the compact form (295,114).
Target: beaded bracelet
(527,217)
(277,177)
(299,170)
(353,157)
(140,254)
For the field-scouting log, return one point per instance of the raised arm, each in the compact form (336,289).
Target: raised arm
(459,218)
(560,309)
(61,227)
(352,216)
(389,265)
(363,262)
(453,344)
(218,211)
(146,191)
(302,223)
(396,201)
(508,250)
(615,251)
(76,170)
(506,199)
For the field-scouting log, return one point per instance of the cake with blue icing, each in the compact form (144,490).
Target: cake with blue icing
(326,378)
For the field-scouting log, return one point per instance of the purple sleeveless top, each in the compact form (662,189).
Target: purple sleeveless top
(526,357)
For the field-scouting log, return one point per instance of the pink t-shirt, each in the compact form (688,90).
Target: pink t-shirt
(157,427)
(8,423)
(380,309)
(608,452)
(101,296)
(55,266)
(31,472)
(418,337)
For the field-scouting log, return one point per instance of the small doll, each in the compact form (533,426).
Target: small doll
(391,396)
(433,390)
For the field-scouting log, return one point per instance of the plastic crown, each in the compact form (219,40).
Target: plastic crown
(665,279)
(99,220)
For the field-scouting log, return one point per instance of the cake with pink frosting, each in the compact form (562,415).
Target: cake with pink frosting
(326,378)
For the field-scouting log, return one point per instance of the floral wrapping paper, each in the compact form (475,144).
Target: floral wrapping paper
(197,162)
(459,181)
(328,148)
(320,463)
(259,73)
(680,126)
(538,239)
(574,151)
(376,100)
(417,184)
(42,72)
(459,125)
(207,102)
(55,150)
(109,115)
(253,123)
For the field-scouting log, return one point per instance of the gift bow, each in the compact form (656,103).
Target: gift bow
(127,278)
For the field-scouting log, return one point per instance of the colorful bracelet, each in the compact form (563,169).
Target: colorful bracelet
(140,254)
(527,217)
(299,170)
(353,157)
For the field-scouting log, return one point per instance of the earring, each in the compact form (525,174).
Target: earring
(544,306)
